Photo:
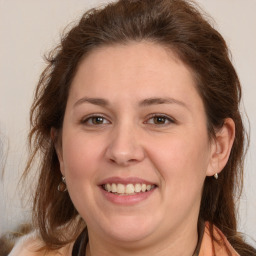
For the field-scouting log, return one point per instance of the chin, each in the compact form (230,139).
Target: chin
(130,229)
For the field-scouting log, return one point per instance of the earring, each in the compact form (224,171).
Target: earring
(216,176)
(62,187)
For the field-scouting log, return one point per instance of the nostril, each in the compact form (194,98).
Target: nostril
(132,160)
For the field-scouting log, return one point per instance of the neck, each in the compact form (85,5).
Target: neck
(180,244)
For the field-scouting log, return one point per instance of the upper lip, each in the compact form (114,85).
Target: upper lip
(125,181)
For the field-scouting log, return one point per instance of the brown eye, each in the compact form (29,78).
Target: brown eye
(95,120)
(159,120)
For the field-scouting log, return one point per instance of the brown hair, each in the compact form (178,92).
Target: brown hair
(177,24)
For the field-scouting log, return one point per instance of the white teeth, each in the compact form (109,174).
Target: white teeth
(114,188)
(137,188)
(120,188)
(108,187)
(148,187)
(128,189)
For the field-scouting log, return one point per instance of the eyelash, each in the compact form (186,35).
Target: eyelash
(152,116)
(87,119)
(165,117)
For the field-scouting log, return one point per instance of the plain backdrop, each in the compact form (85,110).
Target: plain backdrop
(30,28)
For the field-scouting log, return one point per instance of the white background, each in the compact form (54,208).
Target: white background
(30,28)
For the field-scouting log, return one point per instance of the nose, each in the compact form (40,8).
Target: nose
(124,147)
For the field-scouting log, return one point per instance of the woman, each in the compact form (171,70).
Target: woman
(137,120)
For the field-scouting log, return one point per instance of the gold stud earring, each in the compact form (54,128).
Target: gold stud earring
(62,187)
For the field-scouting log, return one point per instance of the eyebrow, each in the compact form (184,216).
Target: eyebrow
(144,103)
(159,101)
(94,101)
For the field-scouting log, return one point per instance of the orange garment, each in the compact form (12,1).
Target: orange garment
(29,244)
(214,248)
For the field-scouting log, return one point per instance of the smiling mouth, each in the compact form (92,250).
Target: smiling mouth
(127,189)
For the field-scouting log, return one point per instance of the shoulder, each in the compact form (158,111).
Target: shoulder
(220,247)
(30,244)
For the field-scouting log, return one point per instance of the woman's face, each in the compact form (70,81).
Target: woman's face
(135,149)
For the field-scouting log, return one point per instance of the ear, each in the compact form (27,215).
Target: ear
(221,147)
(56,138)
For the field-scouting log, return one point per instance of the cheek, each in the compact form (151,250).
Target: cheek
(80,155)
(181,161)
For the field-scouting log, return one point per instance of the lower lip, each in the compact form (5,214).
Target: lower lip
(127,200)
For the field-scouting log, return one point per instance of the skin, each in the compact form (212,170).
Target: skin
(174,153)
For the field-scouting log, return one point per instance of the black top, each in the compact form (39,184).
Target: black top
(79,247)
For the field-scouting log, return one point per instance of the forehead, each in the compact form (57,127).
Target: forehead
(137,68)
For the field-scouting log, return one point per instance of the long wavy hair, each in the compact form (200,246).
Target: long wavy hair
(182,27)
